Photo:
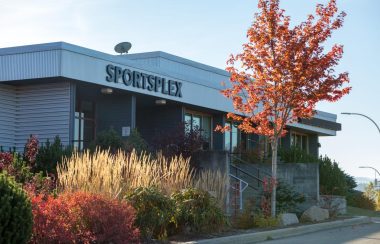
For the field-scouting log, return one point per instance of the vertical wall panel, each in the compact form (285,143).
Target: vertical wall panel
(7,116)
(43,110)
(30,65)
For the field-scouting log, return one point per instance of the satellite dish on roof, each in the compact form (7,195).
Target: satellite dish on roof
(123,47)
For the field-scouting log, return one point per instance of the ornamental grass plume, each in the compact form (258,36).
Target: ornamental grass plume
(115,174)
(215,182)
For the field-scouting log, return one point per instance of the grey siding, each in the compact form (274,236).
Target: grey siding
(42,110)
(30,65)
(7,116)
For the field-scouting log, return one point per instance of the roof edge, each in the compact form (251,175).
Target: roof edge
(177,59)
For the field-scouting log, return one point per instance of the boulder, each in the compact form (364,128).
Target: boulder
(335,204)
(315,214)
(288,219)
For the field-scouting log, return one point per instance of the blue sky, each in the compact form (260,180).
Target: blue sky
(207,32)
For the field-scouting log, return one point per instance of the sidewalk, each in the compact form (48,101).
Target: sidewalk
(282,233)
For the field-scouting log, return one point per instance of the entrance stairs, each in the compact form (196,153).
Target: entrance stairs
(246,182)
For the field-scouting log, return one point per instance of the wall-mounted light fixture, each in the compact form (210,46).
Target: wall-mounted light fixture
(160,102)
(106,90)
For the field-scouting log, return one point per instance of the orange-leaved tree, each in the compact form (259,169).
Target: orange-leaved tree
(283,72)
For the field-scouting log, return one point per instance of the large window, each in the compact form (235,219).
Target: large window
(84,124)
(200,122)
(300,141)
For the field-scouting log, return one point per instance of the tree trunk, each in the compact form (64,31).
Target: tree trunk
(274,176)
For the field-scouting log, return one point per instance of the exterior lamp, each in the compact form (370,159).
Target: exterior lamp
(160,102)
(378,128)
(376,171)
(106,90)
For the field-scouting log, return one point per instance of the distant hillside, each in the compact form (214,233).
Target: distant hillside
(362,183)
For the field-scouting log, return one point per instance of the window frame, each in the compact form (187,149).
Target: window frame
(238,132)
(294,134)
(193,113)
(80,116)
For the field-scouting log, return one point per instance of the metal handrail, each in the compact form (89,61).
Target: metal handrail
(246,173)
(240,171)
(241,180)
(241,189)
(245,162)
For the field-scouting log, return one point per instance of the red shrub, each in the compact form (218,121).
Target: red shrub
(52,222)
(40,185)
(83,218)
(31,149)
(6,159)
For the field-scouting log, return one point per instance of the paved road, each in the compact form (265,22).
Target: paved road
(363,234)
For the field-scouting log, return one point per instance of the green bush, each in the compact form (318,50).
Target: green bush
(51,154)
(332,179)
(197,211)
(108,139)
(360,200)
(296,155)
(245,219)
(136,142)
(154,211)
(264,222)
(16,219)
(287,198)
(20,169)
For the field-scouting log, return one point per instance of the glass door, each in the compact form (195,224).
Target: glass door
(84,124)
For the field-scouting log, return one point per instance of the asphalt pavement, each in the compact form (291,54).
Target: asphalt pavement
(363,234)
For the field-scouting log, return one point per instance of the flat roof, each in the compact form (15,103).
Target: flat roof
(133,60)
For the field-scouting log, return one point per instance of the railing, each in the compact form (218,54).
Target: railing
(250,179)
(258,170)
(242,186)
(238,171)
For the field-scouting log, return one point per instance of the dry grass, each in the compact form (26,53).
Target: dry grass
(114,175)
(215,182)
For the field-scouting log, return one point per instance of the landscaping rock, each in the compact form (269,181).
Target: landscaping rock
(288,219)
(335,204)
(315,214)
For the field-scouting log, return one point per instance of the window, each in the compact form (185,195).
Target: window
(232,137)
(300,141)
(201,122)
(84,124)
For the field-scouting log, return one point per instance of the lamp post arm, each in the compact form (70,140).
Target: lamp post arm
(368,167)
(378,128)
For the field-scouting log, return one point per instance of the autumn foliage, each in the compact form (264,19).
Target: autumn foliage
(283,72)
(285,69)
(82,218)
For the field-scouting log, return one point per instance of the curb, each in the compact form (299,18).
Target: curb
(282,233)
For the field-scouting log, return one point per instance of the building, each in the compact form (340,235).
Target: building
(74,92)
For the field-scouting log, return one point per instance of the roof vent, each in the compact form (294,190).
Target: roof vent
(123,47)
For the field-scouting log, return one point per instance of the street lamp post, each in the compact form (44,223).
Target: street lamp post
(376,171)
(378,128)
